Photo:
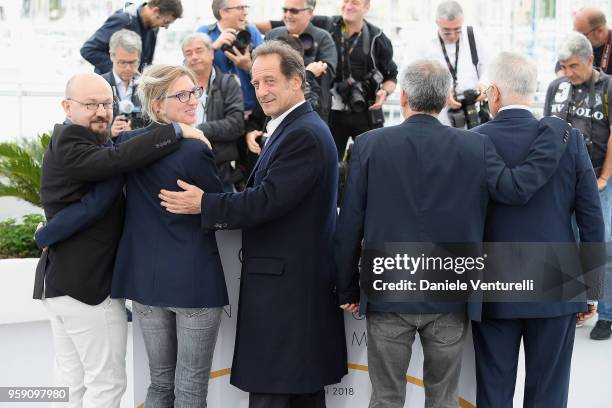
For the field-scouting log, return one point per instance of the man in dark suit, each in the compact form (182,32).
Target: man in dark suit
(546,329)
(424,182)
(74,276)
(290,335)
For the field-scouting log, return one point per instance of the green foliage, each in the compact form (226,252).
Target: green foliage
(17,240)
(21,168)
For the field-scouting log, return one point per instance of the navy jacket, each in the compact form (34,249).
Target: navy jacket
(422,181)
(162,259)
(547,216)
(290,332)
(96,51)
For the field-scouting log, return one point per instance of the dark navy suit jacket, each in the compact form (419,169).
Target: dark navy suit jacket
(422,181)
(163,259)
(547,216)
(290,333)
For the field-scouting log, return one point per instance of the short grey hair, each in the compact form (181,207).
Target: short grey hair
(449,10)
(197,36)
(515,74)
(311,4)
(427,84)
(217,6)
(126,39)
(575,44)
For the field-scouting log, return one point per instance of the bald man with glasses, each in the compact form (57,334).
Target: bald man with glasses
(591,22)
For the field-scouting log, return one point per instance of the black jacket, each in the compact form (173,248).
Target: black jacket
(82,265)
(224,123)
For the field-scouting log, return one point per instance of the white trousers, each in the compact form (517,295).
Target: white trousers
(90,345)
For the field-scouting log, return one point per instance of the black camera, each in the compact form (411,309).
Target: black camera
(467,114)
(242,42)
(308,44)
(352,93)
(132,113)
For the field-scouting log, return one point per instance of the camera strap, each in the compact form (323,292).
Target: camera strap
(605,55)
(347,46)
(453,70)
(473,50)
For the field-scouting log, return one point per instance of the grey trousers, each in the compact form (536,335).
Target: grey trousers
(390,338)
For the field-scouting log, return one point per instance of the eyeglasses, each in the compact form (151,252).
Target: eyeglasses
(184,96)
(589,33)
(122,63)
(448,33)
(93,106)
(241,8)
(294,11)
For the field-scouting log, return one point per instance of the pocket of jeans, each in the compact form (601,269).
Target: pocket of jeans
(449,327)
(190,312)
(142,310)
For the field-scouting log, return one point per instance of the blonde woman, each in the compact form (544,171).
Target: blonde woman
(167,264)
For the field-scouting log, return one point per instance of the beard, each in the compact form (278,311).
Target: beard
(104,134)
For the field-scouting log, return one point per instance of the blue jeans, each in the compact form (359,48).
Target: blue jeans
(180,343)
(604,308)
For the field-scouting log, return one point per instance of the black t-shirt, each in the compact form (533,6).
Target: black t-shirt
(572,103)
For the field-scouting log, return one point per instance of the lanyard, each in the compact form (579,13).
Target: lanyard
(346,53)
(605,55)
(453,70)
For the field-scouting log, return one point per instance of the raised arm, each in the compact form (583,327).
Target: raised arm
(515,186)
(86,160)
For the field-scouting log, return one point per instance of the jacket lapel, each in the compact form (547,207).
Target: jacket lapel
(277,135)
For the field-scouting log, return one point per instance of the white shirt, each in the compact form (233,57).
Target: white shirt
(201,109)
(121,91)
(275,123)
(466,73)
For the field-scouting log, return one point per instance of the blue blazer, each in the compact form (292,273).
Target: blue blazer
(290,333)
(422,181)
(163,259)
(547,216)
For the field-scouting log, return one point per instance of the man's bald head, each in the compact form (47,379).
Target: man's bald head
(591,22)
(86,83)
(88,102)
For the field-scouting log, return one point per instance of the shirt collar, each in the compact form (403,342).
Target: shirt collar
(119,82)
(525,107)
(275,123)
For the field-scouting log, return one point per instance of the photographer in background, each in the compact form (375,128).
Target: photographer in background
(220,112)
(144,19)
(582,98)
(366,73)
(319,55)
(233,40)
(463,52)
(125,50)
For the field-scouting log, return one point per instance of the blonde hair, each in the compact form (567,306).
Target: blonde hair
(155,82)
